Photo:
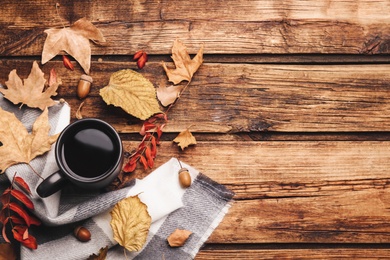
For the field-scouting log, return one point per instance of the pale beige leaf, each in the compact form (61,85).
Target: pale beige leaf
(184,139)
(133,93)
(130,223)
(74,40)
(168,95)
(178,237)
(19,146)
(31,92)
(78,112)
(185,67)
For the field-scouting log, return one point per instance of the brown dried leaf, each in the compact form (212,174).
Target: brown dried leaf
(78,112)
(101,255)
(7,252)
(185,67)
(31,91)
(19,146)
(133,93)
(184,139)
(178,237)
(130,223)
(74,40)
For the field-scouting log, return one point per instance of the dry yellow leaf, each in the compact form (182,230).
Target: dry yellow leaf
(101,255)
(130,223)
(178,237)
(18,145)
(74,40)
(185,67)
(133,93)
(30,92)
(184,139)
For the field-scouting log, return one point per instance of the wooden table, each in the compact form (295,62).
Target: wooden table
(291,109)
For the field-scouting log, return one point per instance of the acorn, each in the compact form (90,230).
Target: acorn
(84,86)
(82,234)
(184,178)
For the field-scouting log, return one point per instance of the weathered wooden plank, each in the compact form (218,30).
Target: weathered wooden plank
(228,98)
(318,253)
(296,192)
(229,27)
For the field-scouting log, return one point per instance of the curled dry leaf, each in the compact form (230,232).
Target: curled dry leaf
(74,40)
(19,146)
(178,237)
(184,71)
(78,112)
(101,255)
(184,139)
(130,223)
(30,92)
(133,93)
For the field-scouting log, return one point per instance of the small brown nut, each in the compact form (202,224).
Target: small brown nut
(84,86)
(184,178)
(82,234)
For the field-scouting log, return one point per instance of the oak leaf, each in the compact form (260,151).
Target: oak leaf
(74,40)
(31,92)
(130,223)
(185,69)
(178,237)
(184,139)
(132,92)
(19,146)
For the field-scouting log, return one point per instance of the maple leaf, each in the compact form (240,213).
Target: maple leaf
(178,237)
(19,146)
(184,139)
(74,40)
(130,223)
(185,69)
(132,92)
(30,92)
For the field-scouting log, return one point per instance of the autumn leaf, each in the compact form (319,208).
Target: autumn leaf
(178,237)
(184,139)
(132,92)
(7,252)
(130,223)
(185,67)
(30,92)
(74,40)
(19,146)
(101,255)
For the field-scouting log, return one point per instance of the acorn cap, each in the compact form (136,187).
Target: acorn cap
(183,170)
(86,78)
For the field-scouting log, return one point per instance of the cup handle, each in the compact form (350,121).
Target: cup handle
(51,185)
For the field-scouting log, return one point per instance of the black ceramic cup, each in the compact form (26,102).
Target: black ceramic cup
(89,154)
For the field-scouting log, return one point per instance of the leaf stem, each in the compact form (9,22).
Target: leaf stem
(58,14)
(35,171)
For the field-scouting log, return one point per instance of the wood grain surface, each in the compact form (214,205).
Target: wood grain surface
(290,109)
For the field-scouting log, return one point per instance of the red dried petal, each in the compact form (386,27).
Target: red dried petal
(149,157)
(137,55)
(146,127)
(19,233)
(3,231)
(144,162)
(30,220)
(142,61)
(22,198)
(22,184)
(67,62)
(153,147)
(130,167)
